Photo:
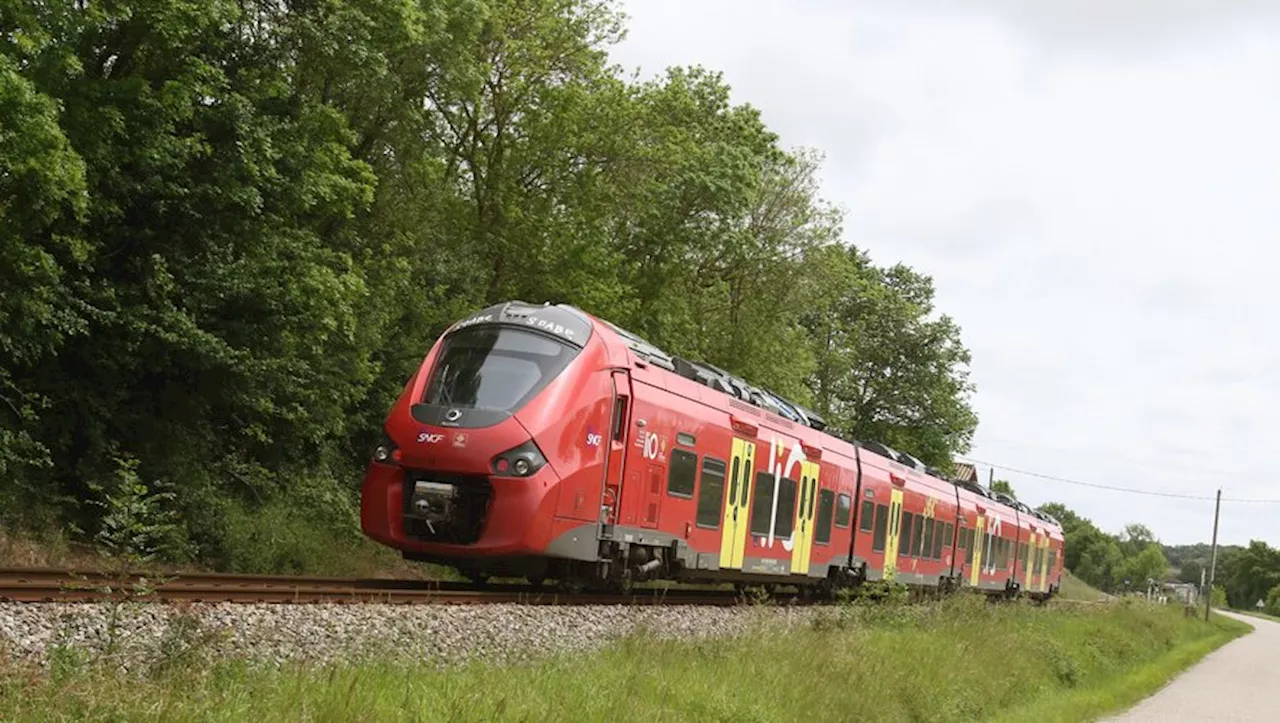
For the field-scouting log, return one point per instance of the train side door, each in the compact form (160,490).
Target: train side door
(733,537)
(895,530)
(975,567)
(803,529)
(611,494)
(1042,563)
(1032,563)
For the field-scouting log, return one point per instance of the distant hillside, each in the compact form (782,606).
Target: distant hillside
(1073,588)
(1186,561)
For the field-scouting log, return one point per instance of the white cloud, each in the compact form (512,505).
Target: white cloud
(1094,191)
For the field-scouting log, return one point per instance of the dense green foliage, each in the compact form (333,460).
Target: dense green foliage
(1244,574)
(1249,574)
(232,228)
(1109,562)
(957,660)
(1003,486)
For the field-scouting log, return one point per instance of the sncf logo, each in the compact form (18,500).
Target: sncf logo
(429,438)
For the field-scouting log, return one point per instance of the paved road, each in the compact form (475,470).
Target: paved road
(1237,682)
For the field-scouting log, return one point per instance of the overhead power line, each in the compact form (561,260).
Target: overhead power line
(1114,488)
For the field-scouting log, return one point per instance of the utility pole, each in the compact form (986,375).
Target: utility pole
(1213,558)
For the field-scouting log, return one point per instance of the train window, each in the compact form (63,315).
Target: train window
(804,493)
(844,506)
(1022,554)
(762,505)
(904,534)
(918,537)
(495,368)
(882,524)
(927,549)
(938,539)
(685,438)
(948,537)
(619,417)
(785,518)
(968,550)
(868,509)
(733,481)
(826,503)
(680,477)
(711,493)
(1053,559)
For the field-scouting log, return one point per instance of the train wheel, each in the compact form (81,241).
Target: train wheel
(480,579)
(537,581)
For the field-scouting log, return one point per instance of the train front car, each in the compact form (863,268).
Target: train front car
(510,405)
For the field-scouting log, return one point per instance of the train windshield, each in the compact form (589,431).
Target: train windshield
(495,368)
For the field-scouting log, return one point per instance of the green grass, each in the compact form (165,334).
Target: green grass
(1256,614)
(1073,588)
(961,659)
(1129,688)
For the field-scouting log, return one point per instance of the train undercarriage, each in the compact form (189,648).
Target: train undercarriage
(623,566)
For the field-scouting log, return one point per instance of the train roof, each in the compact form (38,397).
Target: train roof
(739,388)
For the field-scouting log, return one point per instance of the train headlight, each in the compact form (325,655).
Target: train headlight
(386,452)
(521,461)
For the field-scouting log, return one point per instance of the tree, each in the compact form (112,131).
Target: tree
(1069,519)
(1190,572)
(1218,596)
(1273,601)
(1149,564)
(886,370)
(1003,487)
(1136,538)
(1249,574)
(219,292)
(42,204)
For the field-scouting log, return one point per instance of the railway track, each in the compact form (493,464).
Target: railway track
(43,585)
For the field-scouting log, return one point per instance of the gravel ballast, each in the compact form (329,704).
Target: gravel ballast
(278,633)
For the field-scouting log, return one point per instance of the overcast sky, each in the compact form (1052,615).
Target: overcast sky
(1095,189)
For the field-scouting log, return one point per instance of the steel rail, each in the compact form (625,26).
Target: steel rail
(38,585)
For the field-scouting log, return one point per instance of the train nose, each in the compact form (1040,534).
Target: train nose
(479,509)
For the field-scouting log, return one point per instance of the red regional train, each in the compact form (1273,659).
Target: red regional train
(542,442)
